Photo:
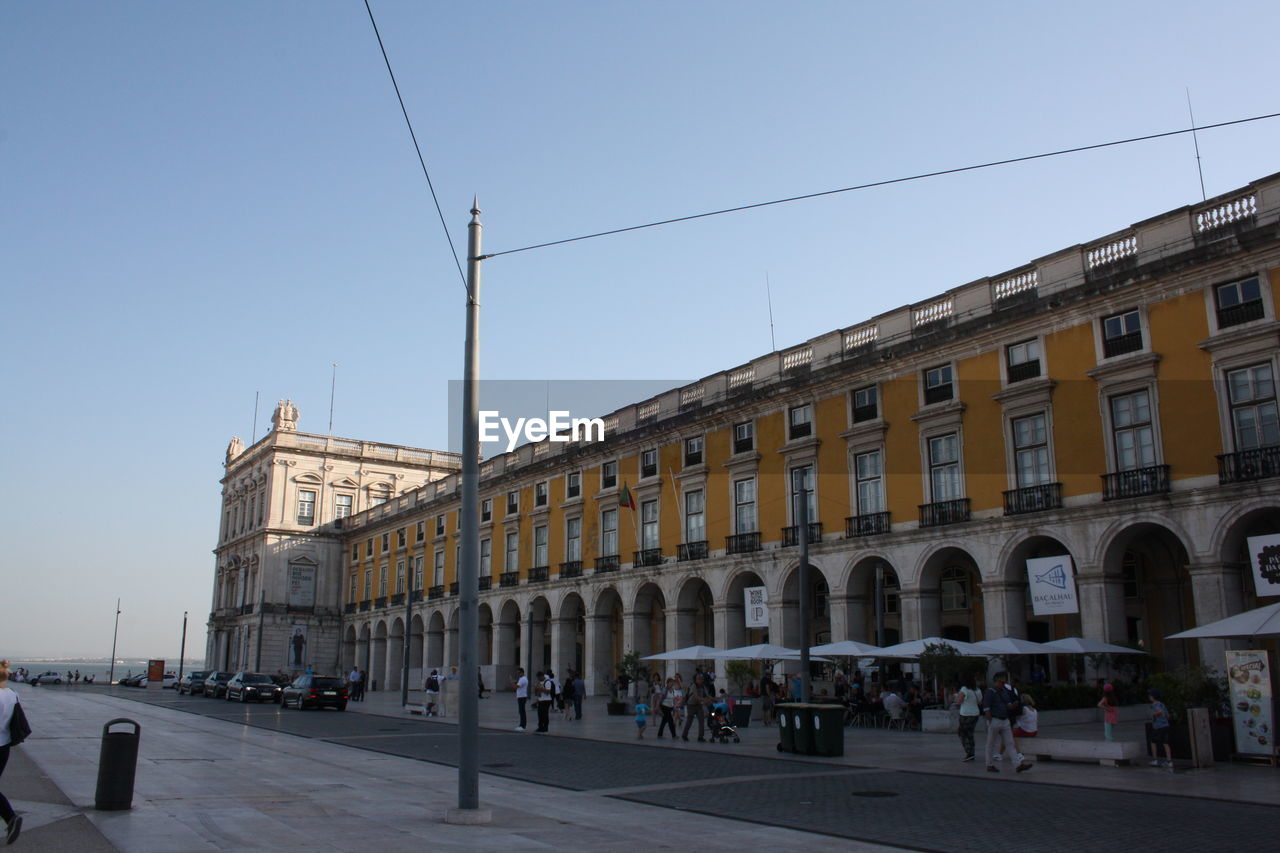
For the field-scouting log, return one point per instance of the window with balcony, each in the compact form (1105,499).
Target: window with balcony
(1132,432)
(399,577)
(938,385)
(868,474)
(802,481)
(1031,450)
(486,510)
(866,404)
(744,437)
(512,560)
(1254,421)
(513,502)
(540,545)
(540,496)
(486,558)
(382,581)
(649,525)
(440,524)
(744,505)
(573,484)
(695,523)
(1121,333)
(944,468)
(800,421)
(649,463)
(1238,302)
(693,451)
(609,474)
(1022,360)
(306,506)
(417,572)
(368,584)
(351,587)
(609,532)
(573,539)
(437,568)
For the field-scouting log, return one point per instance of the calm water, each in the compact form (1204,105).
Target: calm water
(98,668)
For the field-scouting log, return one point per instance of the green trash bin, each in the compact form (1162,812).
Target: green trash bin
(827,725)
(802,722)
(785,714)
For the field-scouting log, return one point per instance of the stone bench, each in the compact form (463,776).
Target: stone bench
(1111,753)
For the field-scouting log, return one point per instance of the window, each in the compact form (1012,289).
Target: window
(937,384)
(1132,431)
(421,532)
(693,451)
(437,570)
(355,552)
(744,506)
(368,547)
(944,467)
(513,552)
(800,419)
(262,505)
(486,558)
(649,463)
(400,537)
(649,525)
(377,500)
(440,524)
(386,542)
(1254,421)
(866,404)
(1129,573)
(486,509)
(695,521)
(1031,450)
(609,474)
(540,545)
(368,584)
(399,576)
(573,484)
(306,506)
(1022,360)
(253,505)
(417,572)
(891,593)
(609,533)
(955,588)
(573,539)
(351,587)
(540,495)
(744,437)
(342,506)
(802,478)
(513,502)
(868,474)
(1238,302)
(1121,333)
(382,581)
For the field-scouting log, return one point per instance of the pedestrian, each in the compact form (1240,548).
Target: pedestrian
(579,693)
(8,702)
(1159,731)
(664,703)
(480,683)
(364,683)
(566,696)
(696,702)
(1028,723)
(642,719)
(522,697)
(1110,711)
(1000,704)
(546,697)
(768,698)
(967,700)
(432,688)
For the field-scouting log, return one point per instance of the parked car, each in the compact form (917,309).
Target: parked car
(316,691)
(215,684)
(47,678)
(252,687)
(170,680)
(192,682)
(139,680)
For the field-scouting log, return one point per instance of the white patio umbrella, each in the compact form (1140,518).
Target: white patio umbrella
(687,653)
(1013,646)
(847,648)
(1262,622)
(763,651)
(914,648)
(1081,646)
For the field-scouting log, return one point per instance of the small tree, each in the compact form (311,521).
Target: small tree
(739,672)
(632,668)
(944,664)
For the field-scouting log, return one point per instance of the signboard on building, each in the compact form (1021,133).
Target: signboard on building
(302,587)
(1053,585)
(296,648)
(1264,554)
(757,606)
(1252,703)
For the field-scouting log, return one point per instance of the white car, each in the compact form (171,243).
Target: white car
(47,678)
(170,680)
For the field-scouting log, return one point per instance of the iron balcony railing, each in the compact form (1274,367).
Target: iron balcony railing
(1244,312)
(648,557)
(938,393)
(944,512)
(870,524)
(453,588)
(380,601)
(1033,499)
(571,569)
(1121,344)
(692,551)
(791,535)
(246,609)
(350,607)
(742,543)
(1246,466)
(417,595)
(486,582)
(365,605)
(397,599)
(436,591)
(509,579)
(1136,483)
(607,564)
(539,574)
(1025,370)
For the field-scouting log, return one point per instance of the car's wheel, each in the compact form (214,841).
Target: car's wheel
(341,706)
(244,698)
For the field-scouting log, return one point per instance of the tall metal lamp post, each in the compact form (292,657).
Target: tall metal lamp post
(182,652)
(111,676)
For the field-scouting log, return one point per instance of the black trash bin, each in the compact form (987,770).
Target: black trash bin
(828,729)
(786,713)
(117,763)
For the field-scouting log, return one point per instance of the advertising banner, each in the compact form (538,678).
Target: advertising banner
(155,670)
(757,605)
(1252,705)
(302,587)
(1264,554)
(1053,585)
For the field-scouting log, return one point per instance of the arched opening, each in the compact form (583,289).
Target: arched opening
(506,643)
(435,641)
(451,641)
(348,649)
(650,620)
(415,650)
(378,666)
(1150,563)
(860,603)
(540,629)
(950,597)
(818,594)
(484,618)
(735,623)
(695,617)
(604,630)
(395,654)
(571,626)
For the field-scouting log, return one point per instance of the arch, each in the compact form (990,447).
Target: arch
(860,604)
(484,622)
(1150,594)
(348,648)
(451,638)
(604,637)
(819,594)
(395,654)
(378,661)
(540,631)
(649,619)
(435,641)
(736,632)
(416,649)
(948,596)
(570,634)
(695,616)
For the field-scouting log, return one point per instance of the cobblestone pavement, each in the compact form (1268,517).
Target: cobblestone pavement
(918,810)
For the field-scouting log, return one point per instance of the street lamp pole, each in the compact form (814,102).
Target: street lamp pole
(182,652)
(802,519)
(111,676)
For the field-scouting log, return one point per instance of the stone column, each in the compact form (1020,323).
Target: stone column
(562,657)
(596,654)
(720,626)
(857,618)
(629,619)
(1101,599)
(838,607)
(921,613)
(1004,607)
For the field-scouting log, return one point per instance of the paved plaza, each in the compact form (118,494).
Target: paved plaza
(215,775)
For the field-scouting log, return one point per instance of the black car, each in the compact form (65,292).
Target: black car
(252,687)
(315,691)
(215,684)
(192,683)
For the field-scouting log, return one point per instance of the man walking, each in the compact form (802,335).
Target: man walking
(522,697)
(579,692)
(546,691)
(1000,704)
(695,701)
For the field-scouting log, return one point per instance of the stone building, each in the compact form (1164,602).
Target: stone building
(1113,403)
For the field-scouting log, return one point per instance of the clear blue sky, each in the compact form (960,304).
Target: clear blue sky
(203,200)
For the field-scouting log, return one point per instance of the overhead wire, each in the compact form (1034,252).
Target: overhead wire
(882,183)
(421,160)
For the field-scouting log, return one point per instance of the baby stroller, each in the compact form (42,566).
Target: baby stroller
(721,728)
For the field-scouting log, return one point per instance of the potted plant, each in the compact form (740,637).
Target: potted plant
(740,672)
(630,670)
(1195,687)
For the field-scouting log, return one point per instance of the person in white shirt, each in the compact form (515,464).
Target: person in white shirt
(1028,721)
(893,705)
(8,701)
(522,697)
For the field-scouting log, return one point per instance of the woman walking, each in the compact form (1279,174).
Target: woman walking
(966,699)
(8,701)
(666,704)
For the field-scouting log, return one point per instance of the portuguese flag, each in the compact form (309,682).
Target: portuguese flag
(626,500)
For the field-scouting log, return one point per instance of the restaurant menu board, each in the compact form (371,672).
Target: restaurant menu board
(1252,708)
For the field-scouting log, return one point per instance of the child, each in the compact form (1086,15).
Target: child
(642,719)
(1028,721)
(1159,730)
(1110,710)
